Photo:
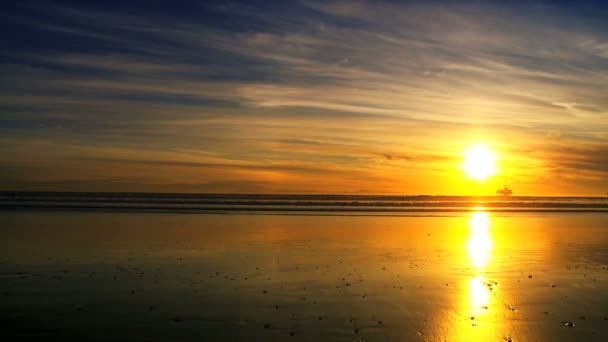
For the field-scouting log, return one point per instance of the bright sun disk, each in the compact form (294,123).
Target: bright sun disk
(479,162)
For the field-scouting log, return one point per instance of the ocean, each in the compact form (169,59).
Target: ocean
(351,204)
(185,267)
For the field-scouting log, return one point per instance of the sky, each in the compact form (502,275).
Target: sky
(343,97)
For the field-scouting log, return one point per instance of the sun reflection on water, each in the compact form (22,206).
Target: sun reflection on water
(479,246)
(479,295)
(476,308)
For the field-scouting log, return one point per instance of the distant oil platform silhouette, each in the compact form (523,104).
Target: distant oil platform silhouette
(505,192)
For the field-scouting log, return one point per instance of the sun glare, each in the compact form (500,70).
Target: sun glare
(479,162)
(479,244)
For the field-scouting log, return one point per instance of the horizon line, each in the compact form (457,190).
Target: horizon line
(14,192)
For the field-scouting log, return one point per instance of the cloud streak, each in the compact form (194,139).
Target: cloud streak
(371,88)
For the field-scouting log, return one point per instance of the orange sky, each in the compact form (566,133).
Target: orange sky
(310,97)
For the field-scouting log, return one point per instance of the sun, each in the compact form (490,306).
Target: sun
(479,162)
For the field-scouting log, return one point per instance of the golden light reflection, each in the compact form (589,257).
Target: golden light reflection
(478,293)
(479,244)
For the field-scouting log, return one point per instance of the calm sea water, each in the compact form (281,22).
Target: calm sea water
(188,275)
(301,203)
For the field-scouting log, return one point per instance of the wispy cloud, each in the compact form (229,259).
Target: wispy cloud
(286,93)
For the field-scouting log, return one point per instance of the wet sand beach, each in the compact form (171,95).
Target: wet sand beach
(471,276)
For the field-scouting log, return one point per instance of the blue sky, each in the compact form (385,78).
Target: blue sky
(303,96)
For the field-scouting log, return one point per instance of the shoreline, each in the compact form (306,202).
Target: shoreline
(233,210)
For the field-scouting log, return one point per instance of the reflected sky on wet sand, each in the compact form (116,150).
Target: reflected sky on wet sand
(157,276)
